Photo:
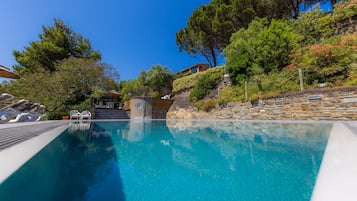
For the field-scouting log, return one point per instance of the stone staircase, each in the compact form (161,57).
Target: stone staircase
(111,114)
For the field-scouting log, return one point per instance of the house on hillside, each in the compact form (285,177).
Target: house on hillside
(194,69)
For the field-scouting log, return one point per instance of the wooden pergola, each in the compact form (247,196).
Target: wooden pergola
(110,100)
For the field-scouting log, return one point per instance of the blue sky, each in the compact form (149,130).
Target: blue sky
(131,35)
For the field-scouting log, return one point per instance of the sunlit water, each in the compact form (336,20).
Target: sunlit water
(174,160)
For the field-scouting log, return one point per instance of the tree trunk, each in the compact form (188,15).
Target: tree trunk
(214,57)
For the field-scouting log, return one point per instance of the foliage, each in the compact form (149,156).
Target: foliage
(312,26)
(207,105)
(231,94)
(189,81)
(315,25)
(70,87)
(199,37)
(262,85)
(240,53)
(261,47)
(204,85)
(328,61)
(56,43)
(156,82)
(352,79)
(159,77)
(131,88)
(274,45)
(210,26)
(344,10)
(276,82)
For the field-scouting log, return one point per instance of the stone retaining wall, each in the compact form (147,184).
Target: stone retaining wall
(321,104)
(160,108)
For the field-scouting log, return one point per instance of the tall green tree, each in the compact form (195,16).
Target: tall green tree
(312,26)
(71,86)
(198,38)
(241,52)
(157,81)
(210,26)
(159,78)
(275,45)
(55,44)
(262,47)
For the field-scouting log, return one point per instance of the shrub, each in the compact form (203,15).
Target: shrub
(189,81)
(207,105)
(352,79)
(155,94)
(328,61)
(231,94)
(204,85)
(344,10)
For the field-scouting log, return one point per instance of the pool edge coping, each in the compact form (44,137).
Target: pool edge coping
(18,154)
(337,176)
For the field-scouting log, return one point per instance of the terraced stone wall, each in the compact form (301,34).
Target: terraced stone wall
(321,104)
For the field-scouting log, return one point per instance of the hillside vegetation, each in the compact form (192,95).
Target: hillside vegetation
(266,57)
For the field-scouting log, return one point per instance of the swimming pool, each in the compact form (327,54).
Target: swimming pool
(174,160)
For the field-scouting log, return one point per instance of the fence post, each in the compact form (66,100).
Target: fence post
(246,90)
(301,81)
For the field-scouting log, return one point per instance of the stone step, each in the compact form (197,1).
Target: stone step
(110,114)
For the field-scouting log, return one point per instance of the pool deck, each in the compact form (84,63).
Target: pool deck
(20,141)
(337,178)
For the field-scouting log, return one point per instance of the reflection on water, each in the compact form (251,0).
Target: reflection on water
(178,160)
(159,159)
(75,166)
(78,125)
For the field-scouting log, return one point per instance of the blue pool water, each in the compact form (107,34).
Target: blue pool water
(174,160)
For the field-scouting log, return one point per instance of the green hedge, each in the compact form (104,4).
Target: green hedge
(188,82)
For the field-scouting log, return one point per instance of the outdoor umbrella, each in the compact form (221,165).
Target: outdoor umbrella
(6,73)
(112,93)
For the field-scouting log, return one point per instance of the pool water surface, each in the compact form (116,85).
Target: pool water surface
(174,160)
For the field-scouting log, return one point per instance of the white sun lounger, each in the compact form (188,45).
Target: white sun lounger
(85,114)
(74,114)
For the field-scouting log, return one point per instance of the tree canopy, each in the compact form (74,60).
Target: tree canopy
(210,26)
(70,87)
(55,44)
(157,81)
(262,47)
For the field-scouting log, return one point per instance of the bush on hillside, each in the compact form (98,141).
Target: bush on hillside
(207,105)
(344,10)
(204,85)
(189,81)
(261,85)
(328,61)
